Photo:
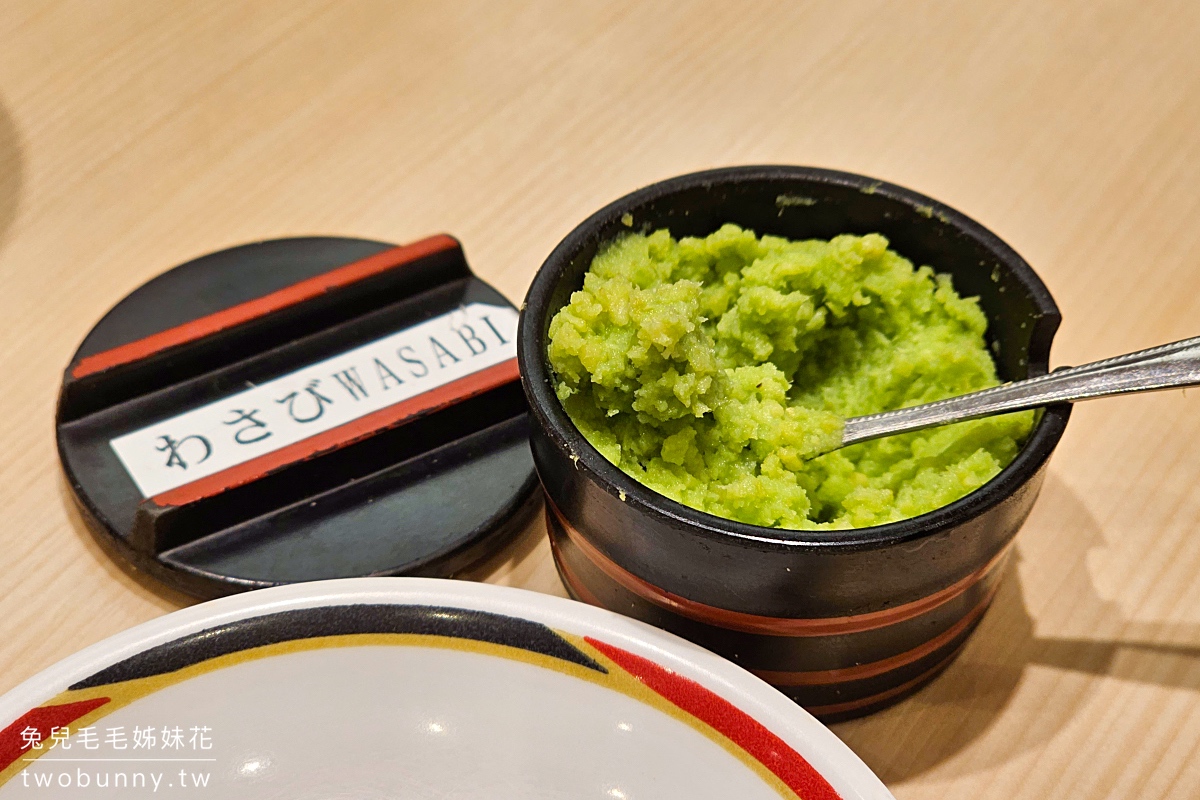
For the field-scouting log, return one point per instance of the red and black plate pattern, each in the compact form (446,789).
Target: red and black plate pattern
(87,699)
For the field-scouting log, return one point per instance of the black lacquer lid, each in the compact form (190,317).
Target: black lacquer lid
(301,409)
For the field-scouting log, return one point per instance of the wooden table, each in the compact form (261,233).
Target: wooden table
(134,136)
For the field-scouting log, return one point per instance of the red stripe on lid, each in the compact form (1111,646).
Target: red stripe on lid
(261,306)
(335,438)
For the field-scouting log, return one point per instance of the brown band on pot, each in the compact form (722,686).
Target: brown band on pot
(755,623)
(885,665)
(577,588)
(261,306)
(864,702)
(580,591)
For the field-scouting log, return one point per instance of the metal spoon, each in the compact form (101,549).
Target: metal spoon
(1168,366)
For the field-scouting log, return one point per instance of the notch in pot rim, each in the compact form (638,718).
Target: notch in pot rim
(544,404)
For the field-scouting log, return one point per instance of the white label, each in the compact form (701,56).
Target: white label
(317,398)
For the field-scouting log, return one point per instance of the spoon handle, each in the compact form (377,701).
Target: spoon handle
(1168,366)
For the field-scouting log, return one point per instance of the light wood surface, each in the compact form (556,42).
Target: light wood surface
(134,136)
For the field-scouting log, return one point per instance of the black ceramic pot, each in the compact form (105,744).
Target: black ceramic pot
(842,622)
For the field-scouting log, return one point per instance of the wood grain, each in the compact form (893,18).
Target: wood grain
(134,136)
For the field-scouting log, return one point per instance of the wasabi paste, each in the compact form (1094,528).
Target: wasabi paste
(713,369)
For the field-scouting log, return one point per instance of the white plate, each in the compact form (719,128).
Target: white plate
(406,687)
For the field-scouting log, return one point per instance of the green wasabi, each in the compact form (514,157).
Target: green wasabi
(713,369)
